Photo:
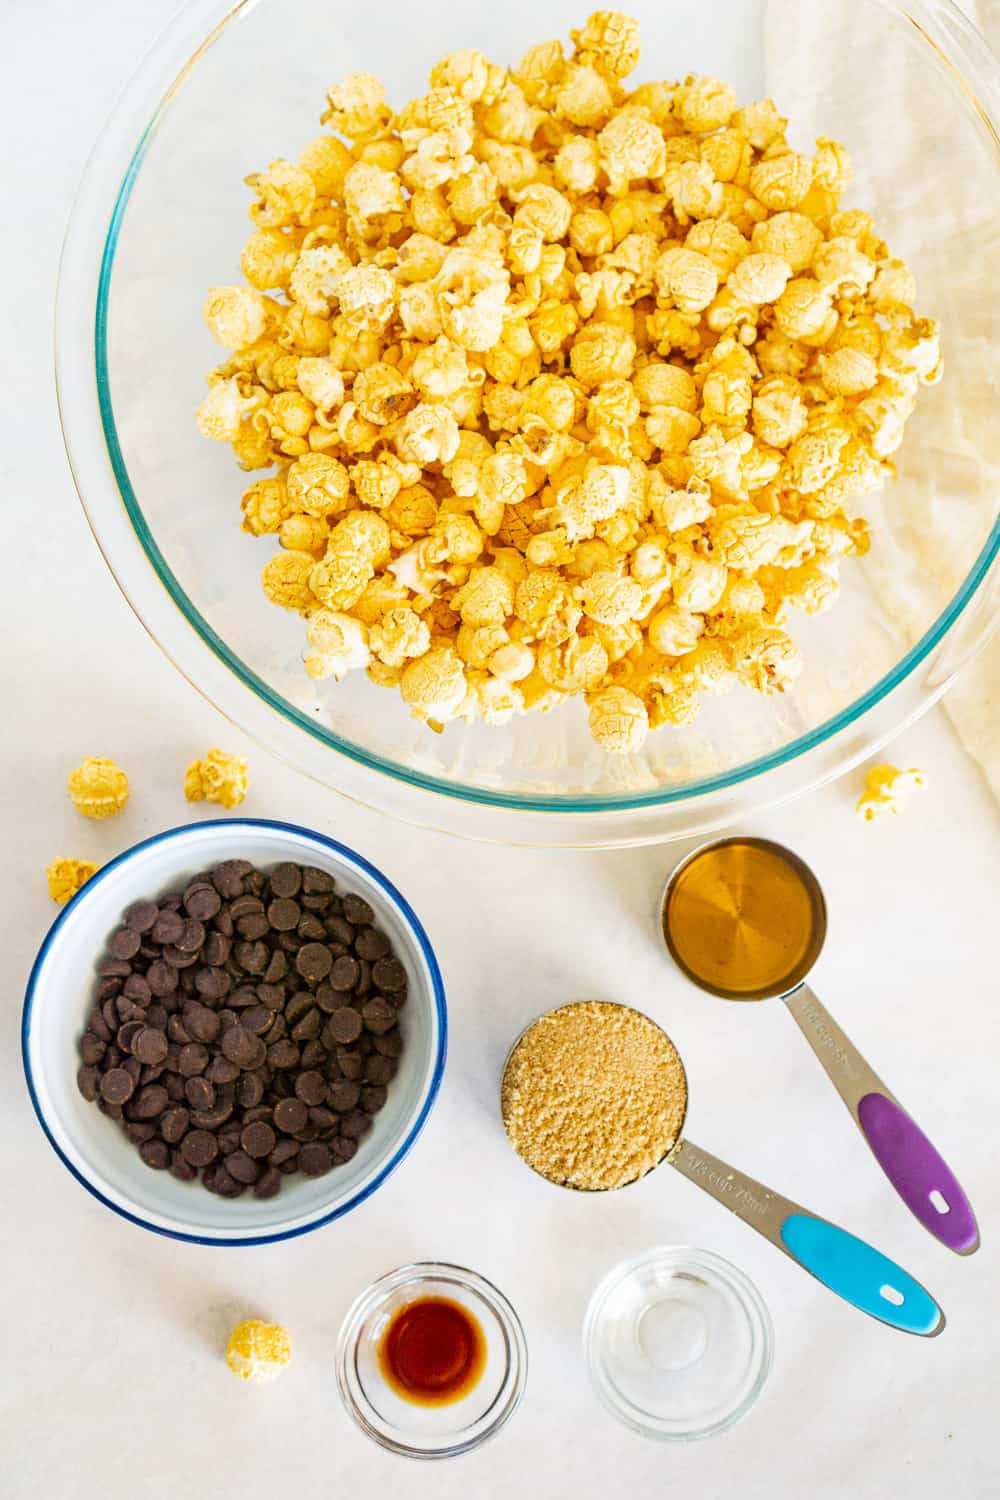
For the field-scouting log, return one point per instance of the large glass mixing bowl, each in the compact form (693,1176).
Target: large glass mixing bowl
(911,89)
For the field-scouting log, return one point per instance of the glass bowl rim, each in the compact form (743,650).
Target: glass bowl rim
(394,1158)
(415,1273)
(463,792)
(751,1299)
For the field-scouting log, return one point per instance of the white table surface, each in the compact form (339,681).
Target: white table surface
(112,1381)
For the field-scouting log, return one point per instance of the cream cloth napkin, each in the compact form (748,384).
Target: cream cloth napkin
(946,223)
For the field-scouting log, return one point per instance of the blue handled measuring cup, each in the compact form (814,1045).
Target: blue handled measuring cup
(854,1270)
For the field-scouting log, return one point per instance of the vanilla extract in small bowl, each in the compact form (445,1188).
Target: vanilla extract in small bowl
(431,1360)
(433,1351)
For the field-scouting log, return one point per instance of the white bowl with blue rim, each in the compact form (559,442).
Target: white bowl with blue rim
(60,993)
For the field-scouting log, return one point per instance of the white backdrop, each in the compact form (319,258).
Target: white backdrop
(111,1373)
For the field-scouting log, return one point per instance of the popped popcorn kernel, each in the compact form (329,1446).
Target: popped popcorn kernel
(434,686)
(98,788)
(781,179)
(67,876)
(399,635)
(563,387)
(887,791)
(618,720)
(338,645)
(285,580)
(631,148)
(285,195)
(258,1352)
(220,415)
(705,104)
(217,777)
(357,107)
(610,42)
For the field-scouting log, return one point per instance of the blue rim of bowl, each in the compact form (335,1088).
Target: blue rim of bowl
(437,986)
(460,791)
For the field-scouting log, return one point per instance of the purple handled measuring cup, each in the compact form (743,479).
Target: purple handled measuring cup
(915,1168)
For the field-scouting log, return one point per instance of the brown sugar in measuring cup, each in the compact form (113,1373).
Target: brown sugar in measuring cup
(594,1096)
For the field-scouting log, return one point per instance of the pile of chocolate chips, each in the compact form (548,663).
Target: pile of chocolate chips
(245,1029)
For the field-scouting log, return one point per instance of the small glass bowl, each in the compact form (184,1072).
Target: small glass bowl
(431,1431)
(678,1342)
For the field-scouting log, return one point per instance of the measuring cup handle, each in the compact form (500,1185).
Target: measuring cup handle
(849,1267)
(861,1274)
(918,1172)
(915,1168)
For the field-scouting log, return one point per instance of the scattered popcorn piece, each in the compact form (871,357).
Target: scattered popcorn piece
(258,1352)
(566,387)
(887,791)
(98,788)
(218,777)
(66,876)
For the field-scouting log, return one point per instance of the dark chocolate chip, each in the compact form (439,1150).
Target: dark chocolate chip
(168,926)
(378,1069)
(389,976)
(199,1147)
(150,1102)
(357,911)
(229,876)
(311,1087)
(173,1123)
(242,1167)
(88,1081)
(284,914)
(314,962)
(284,1151)
(124,943)
(267,1184)
(378,1015)
(117,1086)
(315,1159)
(343,1096)
(192,937)
(141,915)
(243,1047)
(161,977)
(391,1044)
(137,989)
(155,1153)
(92,1049)
(371,944)
(290,1115)
(258,1139)
(202,902)
(200,1094)
(286,880)
(355,1124)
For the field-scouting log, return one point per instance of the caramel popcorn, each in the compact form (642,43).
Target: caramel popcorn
(217,778)
(887,790)
(66,876)
(566,387)
(98,788)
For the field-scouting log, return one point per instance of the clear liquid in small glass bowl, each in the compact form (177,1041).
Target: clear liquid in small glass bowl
(678,1342)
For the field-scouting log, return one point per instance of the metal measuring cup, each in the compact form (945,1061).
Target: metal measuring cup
(846,1265)
(915,1168)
